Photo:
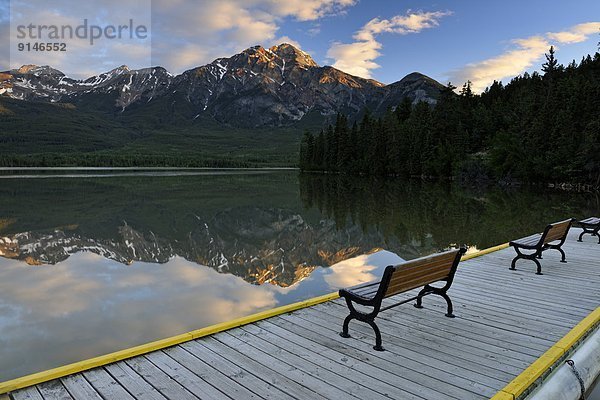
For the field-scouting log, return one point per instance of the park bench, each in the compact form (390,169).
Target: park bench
(421,272)
(590,226)
(553,237)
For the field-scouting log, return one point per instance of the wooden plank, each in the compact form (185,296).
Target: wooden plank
(311,362)
(290,386)
(508,306)
(395,366)
(106,385)
(80,388)
(457,384)
(159,380)
(524,311)
(241,341)
(525,282)
(364,364)
(397,335)
(234,372)
(331,345)
(228,386)
(468,329)
(484,363)
(471,363)
(54,390)
(30,393)
(393,330)
(522,296)
(133,382)
(472,311)
(185,377)
(399,381)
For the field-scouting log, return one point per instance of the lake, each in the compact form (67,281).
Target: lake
(100,260)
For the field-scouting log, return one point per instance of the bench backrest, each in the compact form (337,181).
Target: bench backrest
(421,271)
(556,231)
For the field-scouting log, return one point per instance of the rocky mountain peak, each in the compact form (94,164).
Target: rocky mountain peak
(293,55)
(123,69)
(25,69)
(31,69)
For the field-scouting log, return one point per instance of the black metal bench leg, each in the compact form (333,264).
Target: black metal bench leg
(533,257)
(423,292)
(581,236)
(562,253)
(539,266)
(344,333)
(378,345)
(449,313)
(514,262)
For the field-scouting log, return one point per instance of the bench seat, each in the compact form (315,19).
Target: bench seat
(591,226)
(365,292)
(529,241)
(419,273)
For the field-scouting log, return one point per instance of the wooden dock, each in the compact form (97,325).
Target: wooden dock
(505,321)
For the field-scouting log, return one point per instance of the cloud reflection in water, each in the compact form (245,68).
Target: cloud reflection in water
(88,305)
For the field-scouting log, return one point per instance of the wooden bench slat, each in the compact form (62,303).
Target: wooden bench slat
(415,283)
(557,231)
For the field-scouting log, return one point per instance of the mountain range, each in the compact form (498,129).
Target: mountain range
(248,110)
(258,87)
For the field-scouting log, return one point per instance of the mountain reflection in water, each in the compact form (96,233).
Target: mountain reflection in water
(90,266)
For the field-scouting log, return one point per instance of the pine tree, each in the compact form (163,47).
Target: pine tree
(404,109)
(331,149)
(319,158)
(551,64)
(466,90)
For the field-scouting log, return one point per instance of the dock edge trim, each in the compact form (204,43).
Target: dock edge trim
(549,359)
(80,366)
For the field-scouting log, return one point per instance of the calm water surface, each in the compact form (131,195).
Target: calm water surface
(96,261)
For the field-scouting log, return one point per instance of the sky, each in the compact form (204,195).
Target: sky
(448,40)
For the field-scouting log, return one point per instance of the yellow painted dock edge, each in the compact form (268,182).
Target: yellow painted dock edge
(550,358)
(80,366)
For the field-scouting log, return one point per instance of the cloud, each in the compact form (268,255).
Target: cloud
(87,305)
(314,31)
(288,40)
(578,33)
(358,58)
(355,58)
(527,52)
(185,34)
(309,10)
(196,33)
(4,46)
(401,24)
(511,63)
(81,58)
